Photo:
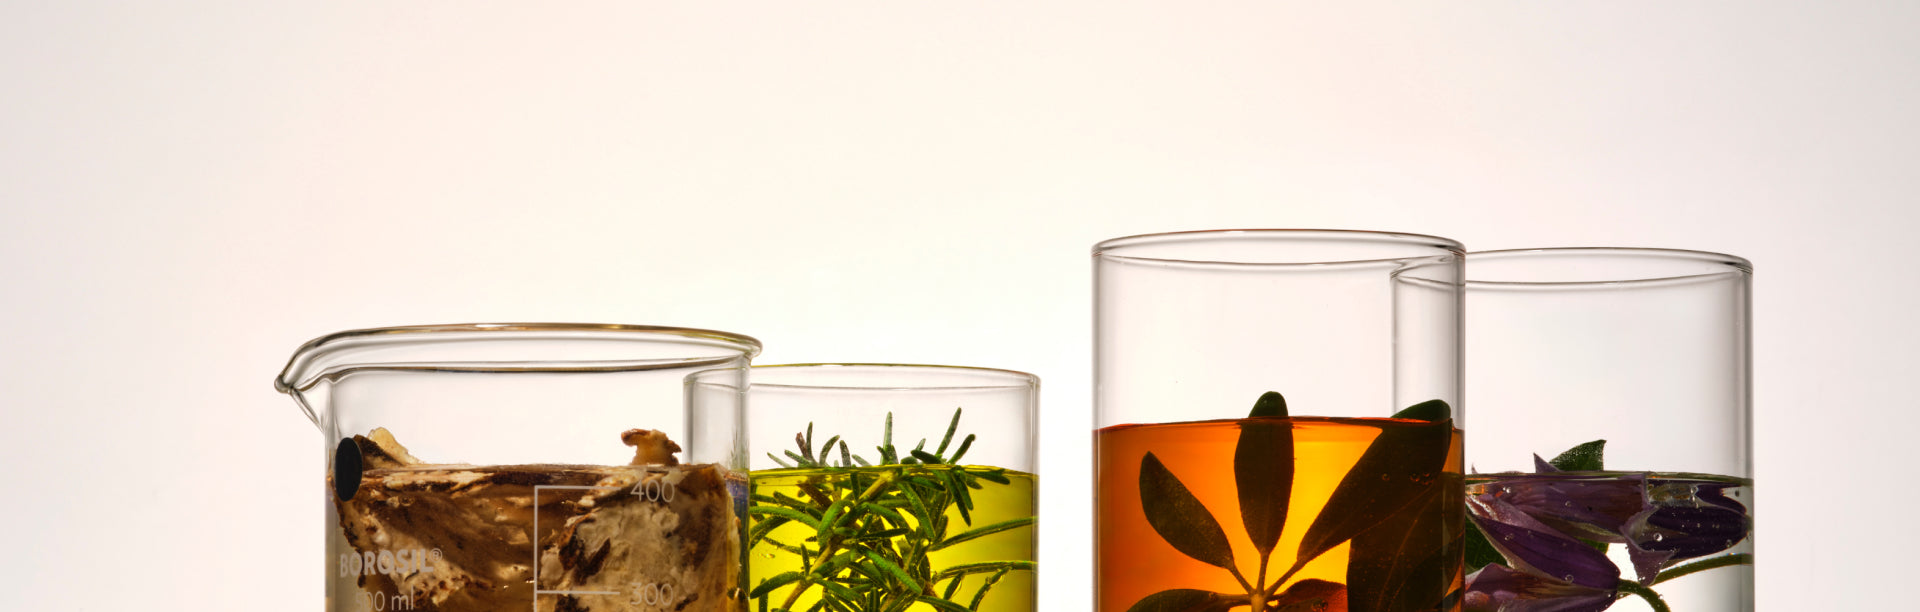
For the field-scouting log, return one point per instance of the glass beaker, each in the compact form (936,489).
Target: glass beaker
(1278,421)
(1612,439)
(888,487)
(498,467)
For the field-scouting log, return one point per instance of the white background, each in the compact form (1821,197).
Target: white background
(191,190)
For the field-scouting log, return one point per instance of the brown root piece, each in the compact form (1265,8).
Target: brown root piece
(651,447)
(379,449)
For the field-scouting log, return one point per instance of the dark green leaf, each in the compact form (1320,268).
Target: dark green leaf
(840,591)
(1400,464)
(1583,458)
(1480,552)
(1407,562)
(1430,410)
(926,456)
(785,513)
(979,532)
(1310,595)
(993,476)
(1188,600)
(1263,472)
(893,570)
(1270,404)
(768,585)
(941,604)
(1179,517)
(951,427)
(981,595)
(962,451)
(984,567)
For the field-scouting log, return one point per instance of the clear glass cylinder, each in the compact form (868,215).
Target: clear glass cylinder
(523,466)
(884,486)
(1611,392)
(1343,486)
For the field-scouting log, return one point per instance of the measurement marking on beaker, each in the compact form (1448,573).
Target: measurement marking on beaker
(537,592)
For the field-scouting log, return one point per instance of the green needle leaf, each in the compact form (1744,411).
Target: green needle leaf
(981,595)
(951,427)
(962,451)
(893,570)
(768,585)
(941,604)
(786,514)
(1179,517)
(980,532)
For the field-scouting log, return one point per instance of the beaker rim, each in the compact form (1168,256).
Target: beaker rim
(308,364)
(1202,246)
(952,376)
(1587,267)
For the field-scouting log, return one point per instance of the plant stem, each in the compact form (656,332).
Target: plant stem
(1297,566)
(1260,596)
(1653,599)
(827,548)
(1703,565)
(1243,579)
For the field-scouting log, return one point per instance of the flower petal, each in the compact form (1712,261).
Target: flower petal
(1536,548)
(1595,508)
(1496,588)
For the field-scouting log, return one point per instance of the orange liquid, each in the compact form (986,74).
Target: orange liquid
(1133,561)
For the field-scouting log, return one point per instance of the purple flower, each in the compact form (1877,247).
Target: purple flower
(1533,547)
(1661,521)
(1495,588)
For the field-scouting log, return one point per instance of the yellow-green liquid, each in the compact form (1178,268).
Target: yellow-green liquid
(992,503)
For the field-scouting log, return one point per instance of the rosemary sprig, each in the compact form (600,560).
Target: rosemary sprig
(872,526)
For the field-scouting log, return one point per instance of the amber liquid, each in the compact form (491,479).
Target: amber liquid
(1133,560)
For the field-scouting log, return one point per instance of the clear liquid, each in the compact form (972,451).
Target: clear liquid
(1721,589)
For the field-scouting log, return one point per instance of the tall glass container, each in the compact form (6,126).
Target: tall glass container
(510,467)
(1278,421)
(888,487)
(1611,402)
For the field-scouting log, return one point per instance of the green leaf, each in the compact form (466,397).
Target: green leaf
(893,571)
(1179,517)
(993,476)
(785,513)
(981,595)
(768,585)
(984,567)
(1480,552)
(1430,410)
(1583,458)
(941,604)
(1270,404)
(1263,473)
(1407,562)
(1188,600)
(980,532)
(962,451)
(1397,467)
(951,427)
